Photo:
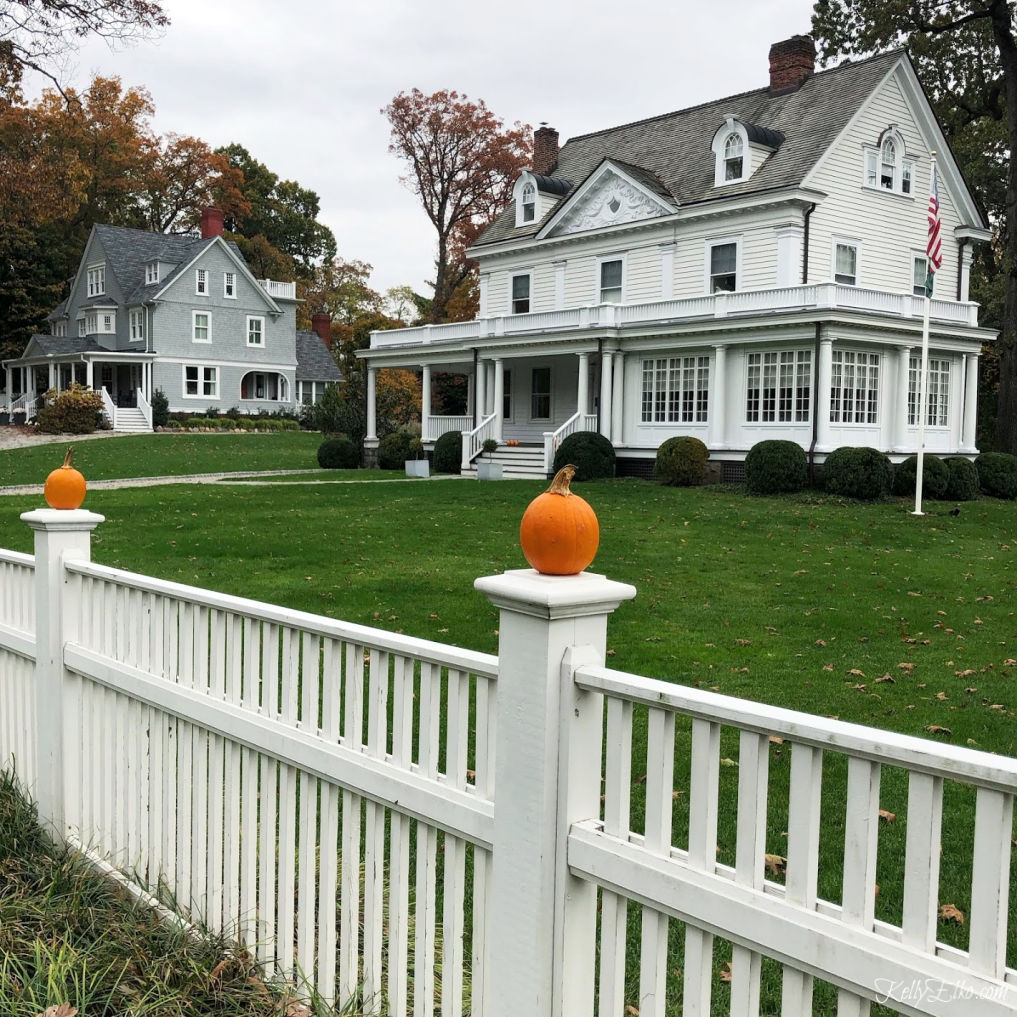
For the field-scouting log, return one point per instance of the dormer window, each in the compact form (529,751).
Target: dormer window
(151,273)
(888,167)
(529,202)
(734,149)
(96,280)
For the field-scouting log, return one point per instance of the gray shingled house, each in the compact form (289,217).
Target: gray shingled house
(749,268)
(182,314)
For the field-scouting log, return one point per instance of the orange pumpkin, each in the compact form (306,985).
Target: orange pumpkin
(559,533)
(65,486)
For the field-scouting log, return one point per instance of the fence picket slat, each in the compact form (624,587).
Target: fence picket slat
(990,882)
(921,860)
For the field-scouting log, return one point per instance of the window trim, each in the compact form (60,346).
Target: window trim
(95,279)
(201,282)
(528,275)
(799,409)
(675,403)
(550,391)
(921,256)
(200,381)
(261,331)
(606,259)
(943,394)
(721,140)
(508,402)
(151,272)
(837,242)
(207,315)
(229,285)
(713,242)
(903,165)
(136,316)
(863,400)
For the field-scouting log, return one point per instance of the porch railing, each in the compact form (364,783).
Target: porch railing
(145,406)
(552,439)
(435,427)
(109,408)
(473,441)
(26,403)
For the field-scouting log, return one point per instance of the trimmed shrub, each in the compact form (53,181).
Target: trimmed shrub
(394,450)
(775,467)
(935,477)
(76,410)
(195,422)
(589,452)
(963,481)
(863,473)
(997,474)
(160,408)
(448,453)
(338,454)
(681,462)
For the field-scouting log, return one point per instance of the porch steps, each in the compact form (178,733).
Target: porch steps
(131,421)
(522,461)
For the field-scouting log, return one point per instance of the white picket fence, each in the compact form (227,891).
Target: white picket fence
(428,830)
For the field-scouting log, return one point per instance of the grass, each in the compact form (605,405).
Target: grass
(801,602)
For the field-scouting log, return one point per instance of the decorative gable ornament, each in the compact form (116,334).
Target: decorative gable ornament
(609,200)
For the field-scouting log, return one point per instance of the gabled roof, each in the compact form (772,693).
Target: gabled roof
(128,251)
(314,362)
(58,345)
(674,149)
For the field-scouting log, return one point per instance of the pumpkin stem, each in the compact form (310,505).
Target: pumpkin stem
(562,479)
(67,459)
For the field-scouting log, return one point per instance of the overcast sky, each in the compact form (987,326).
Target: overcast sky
(300,84)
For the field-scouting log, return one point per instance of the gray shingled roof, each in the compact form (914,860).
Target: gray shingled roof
(314,362)
(675,148)
(128,251)
(64,344)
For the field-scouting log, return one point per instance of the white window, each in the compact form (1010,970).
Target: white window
(521,294)
(529,202)
(939,392)
(91,323)
(137,323)
(152,272)
(845,262)
(722,262)
(779,387)
(676,390)
(888,167)
(201,326)
(60,328)
(108,321)
(920,272)
(854,388)
(734,151)
(96,280)
(201,382)
(229,284)
(201,282)
(81,327)
(255,331)
(611,276)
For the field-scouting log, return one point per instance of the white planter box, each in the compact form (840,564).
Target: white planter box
(418,468)
(488,470)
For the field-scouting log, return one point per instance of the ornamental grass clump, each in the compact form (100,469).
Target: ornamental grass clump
(681,462)
(776,467)
(862,473)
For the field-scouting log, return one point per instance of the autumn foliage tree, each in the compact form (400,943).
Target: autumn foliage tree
(965,53)
(461,162)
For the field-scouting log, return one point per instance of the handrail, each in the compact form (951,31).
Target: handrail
(145,406)
(109,407)
(552,439)
(27,404)
(473,441)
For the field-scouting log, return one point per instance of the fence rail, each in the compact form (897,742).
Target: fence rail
(418,828)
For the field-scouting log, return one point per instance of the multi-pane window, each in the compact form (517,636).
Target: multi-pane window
(201,282)
(676,390)
(229,284)
(723,267)
(611,281)
(520,294)
(201,381)
(888,168)
(529,203)
(733,157)
(152,272)
(96,279)
(81,327)
(854,388)
(60,328)
(202,326)
(845,267)
(540,394)
(779,387)
(137,323)
(255,331)
(920,273)
(939,392)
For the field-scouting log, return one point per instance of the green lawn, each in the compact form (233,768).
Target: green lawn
(859,611)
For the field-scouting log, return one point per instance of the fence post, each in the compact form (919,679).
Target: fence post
(60,535)
(542,926)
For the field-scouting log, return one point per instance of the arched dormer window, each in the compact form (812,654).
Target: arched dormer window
(734,150)
(528,202)
(888,167)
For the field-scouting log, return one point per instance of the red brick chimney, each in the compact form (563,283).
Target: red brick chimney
(791,63)
(321,322)
(211,223)
(545,150)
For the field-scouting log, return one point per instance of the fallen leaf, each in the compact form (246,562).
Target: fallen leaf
(728,762)
(776,740)
(725,972)
(828,667)
(632,1011)
(1010,662)
(906,666)
(951,913)
(63,1010)
(859,688)
(855,673)
(966,673)
(885,679)
(888,816)
(743,642)
(937,729)
(941,696)
(775,863)
(820,642)
(970,690)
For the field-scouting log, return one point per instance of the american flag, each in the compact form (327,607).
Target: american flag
(935,245)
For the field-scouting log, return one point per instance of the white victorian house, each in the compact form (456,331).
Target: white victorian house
(750,268)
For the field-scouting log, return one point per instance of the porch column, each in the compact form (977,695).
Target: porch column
(618,399)
(52,375)
(605,393)
(900,422)
(823,401)
(372,405)
(89,374)
(718,399)
(968,443)
(499,399)
(965,278)
(481,403)
(8,380)
(583,395)
(425,402)
(489,387)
